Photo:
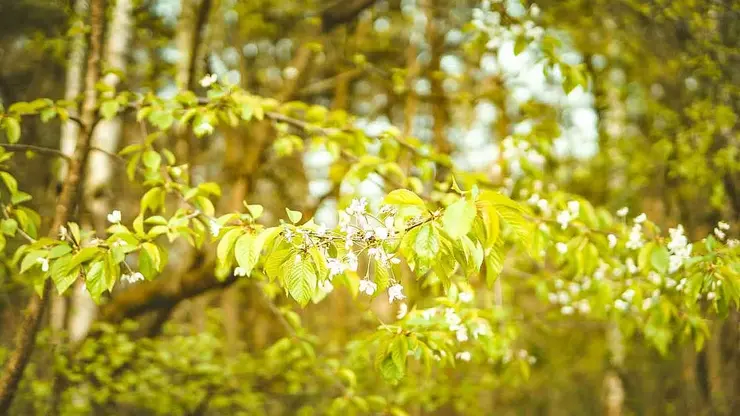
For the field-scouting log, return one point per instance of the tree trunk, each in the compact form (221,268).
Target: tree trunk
(26,336)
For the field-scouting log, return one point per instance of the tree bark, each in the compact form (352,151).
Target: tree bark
(66,203)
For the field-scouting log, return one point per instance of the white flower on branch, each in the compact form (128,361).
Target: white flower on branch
(640,218)
(114,217)
(403,309)
(368,287)
(464,356)
(240,272)
(208,80)
(395,292)
(622,212)
(44,264)
(132,278)
(612,240)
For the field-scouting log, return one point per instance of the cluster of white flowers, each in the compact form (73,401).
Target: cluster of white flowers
(635,239)
(720,230)
(368,287)
(452,319)
(565,216)
(464,356)
(679,248)
(208,80)
(395,292)
(132,278)
(561,247)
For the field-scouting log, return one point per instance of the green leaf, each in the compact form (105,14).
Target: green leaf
(12,129)
(109,109)
(299,279)
(153,259)
(255,210)
(95,280)
(494,263)
(151,159)
(520,45)
(274,263)
(247,253)
(84,255)
(399,349)
(9,181)
(294,216)
(60,250)
(225,246)
(63,275)
(458,218)
(404,197)
(659,259)
(9,227)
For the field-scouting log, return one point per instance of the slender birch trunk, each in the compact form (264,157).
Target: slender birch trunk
(66,204)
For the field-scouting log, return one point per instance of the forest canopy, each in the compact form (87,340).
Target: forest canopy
(388,207)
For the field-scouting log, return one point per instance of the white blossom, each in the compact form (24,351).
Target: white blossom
(564,218)
(479,330)
(335,267)
(612,240)
(351,261)
(711,295)
(631,266)
(628,295)
(240,272)
(635,238)
(563,297)
(621,305)
(552,297)
(461,334)
(428,313)
(465,297)
(357,206)
(403,309)
(544,206)
(723,225)
(44,264)
(622,212)
(647,304)
(678,247)
(732,243)
(640,218)
(463,355)
(114,217)
(208,80)
(574,207)
(584,307)
(395,292)
(719,233)
(381,233)
(368,287)
(655,278)
(567,310)
(215,228)
(574,288)
(132,278)
(561,247)
(62,232)
(452,319)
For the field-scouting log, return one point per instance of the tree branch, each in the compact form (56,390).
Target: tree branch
(342,11)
